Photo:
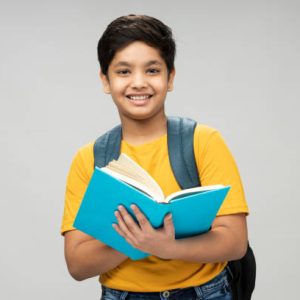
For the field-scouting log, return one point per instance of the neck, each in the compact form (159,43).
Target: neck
(137,132)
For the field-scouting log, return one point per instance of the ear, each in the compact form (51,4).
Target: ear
(105,82)
(171,80)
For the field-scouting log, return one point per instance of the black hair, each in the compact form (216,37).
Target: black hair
(127,29)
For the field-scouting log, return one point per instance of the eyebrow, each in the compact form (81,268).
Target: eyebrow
(126,64)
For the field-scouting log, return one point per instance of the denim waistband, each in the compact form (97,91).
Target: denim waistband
(221,283)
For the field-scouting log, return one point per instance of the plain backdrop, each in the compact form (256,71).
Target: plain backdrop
(237,70)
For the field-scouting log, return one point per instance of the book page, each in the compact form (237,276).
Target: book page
(129,171)
(191,191)
(130,181)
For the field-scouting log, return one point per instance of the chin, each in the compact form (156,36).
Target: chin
(140,116)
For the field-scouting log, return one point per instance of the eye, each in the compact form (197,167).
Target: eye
(123,72)
(153,71)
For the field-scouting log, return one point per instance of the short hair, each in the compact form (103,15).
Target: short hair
(127,29)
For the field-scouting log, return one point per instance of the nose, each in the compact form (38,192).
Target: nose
(138,80)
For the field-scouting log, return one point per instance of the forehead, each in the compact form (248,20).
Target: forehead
(137,53)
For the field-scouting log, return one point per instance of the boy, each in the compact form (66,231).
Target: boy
(136,55)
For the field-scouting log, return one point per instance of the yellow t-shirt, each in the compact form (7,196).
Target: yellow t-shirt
(216,166)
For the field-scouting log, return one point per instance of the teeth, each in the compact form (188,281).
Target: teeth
(139,97)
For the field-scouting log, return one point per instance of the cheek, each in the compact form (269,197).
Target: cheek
(160,85)
(118,86)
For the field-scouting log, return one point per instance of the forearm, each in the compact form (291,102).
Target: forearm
(92,258)
(218,245)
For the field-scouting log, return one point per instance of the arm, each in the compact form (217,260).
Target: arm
(227,240)
(87,257)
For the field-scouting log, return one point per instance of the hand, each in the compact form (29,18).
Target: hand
(159,242)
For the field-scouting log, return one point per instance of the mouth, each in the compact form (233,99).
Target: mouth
(139,100)
(139,97)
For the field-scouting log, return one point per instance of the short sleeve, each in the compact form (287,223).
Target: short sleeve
(77,181)
(216,165)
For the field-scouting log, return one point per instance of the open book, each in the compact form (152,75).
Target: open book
(129,171)
(124,182)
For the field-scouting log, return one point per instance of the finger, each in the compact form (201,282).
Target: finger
(168,224)
(122,226)
(141,218)
(118,229)
(129,222)
(121,233)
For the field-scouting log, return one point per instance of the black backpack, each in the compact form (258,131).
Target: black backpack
(180,134)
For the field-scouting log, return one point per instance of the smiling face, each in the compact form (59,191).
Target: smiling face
(138,81)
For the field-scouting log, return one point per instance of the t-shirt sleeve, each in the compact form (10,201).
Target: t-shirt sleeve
(216,165)
(77,181)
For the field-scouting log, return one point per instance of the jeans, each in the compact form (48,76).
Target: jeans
(217,289)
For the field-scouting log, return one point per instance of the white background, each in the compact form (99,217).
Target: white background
(237,70)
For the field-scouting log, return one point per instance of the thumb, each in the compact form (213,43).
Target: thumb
(168,223)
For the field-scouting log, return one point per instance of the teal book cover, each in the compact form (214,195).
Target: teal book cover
(192,214)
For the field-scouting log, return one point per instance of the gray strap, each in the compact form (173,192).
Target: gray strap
(107,147)
(180,147)
(181,151)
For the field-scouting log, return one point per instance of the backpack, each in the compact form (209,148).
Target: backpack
(181,154)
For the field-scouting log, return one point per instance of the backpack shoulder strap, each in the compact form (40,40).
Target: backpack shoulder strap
(107,147)
(181,151)
(180,147)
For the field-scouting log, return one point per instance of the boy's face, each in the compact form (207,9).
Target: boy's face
(138,81)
